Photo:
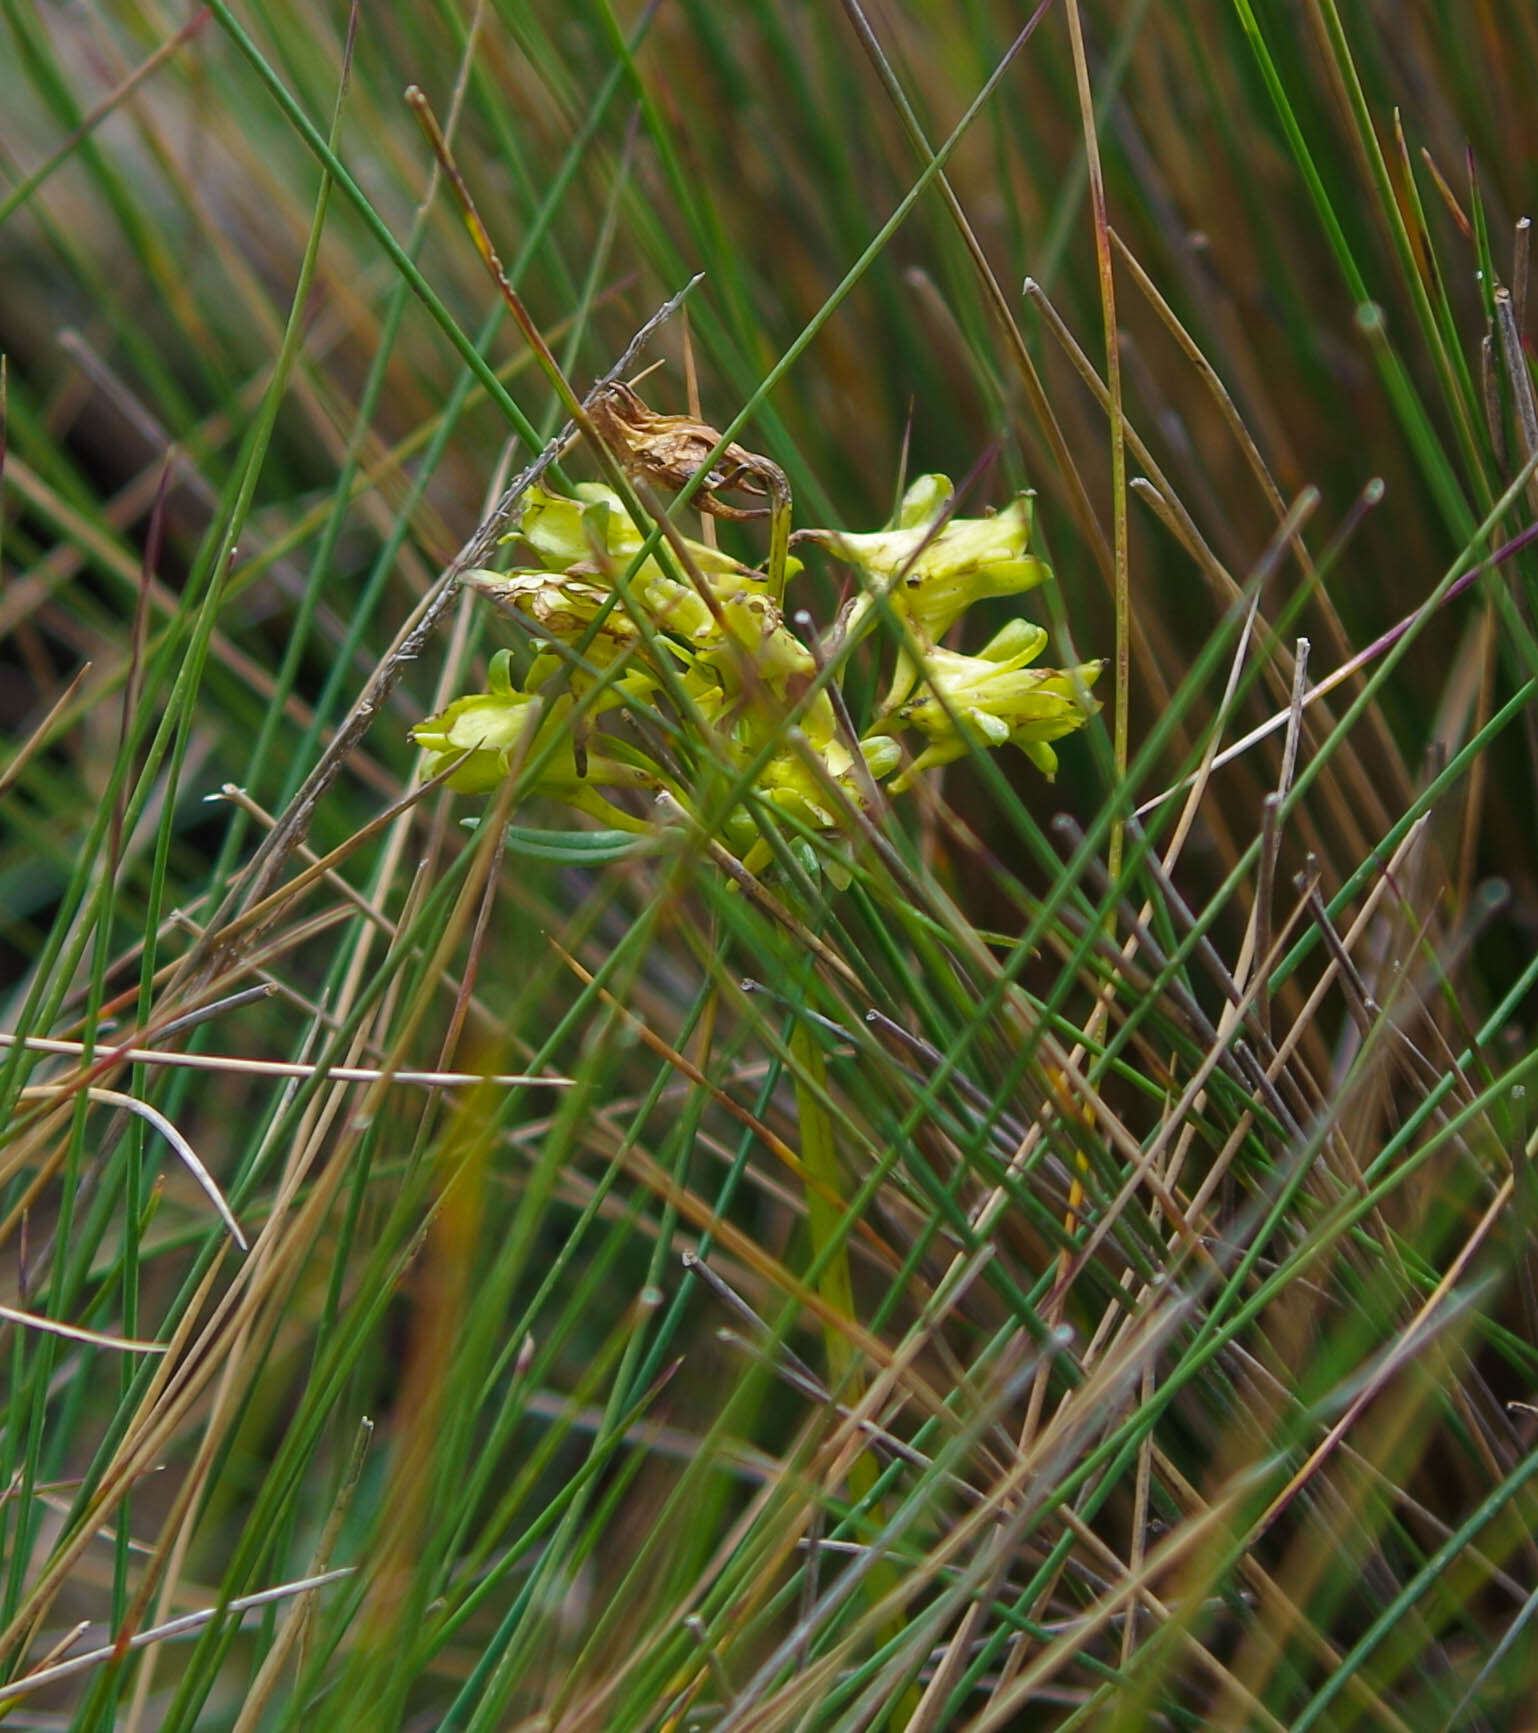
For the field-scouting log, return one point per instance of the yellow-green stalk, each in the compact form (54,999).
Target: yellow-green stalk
(825,1210)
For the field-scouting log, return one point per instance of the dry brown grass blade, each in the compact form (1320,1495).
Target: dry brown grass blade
(78,1333)
(42,1677)
(42,734)
(63,1093)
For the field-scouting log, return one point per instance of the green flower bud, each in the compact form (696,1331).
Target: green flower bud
(882,755)
(1015,645)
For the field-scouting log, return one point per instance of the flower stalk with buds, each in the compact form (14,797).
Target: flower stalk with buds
(704,636)
(701,637)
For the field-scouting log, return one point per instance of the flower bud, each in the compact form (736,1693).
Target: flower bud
(993,699)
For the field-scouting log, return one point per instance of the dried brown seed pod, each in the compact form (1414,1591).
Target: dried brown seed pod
(669,451)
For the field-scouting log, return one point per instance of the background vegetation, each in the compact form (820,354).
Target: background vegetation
(1155,1340)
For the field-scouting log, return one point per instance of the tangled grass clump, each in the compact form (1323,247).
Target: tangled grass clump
(806,1243)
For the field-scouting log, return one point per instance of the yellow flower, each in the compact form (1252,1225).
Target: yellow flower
(748,668)
(930,575)
(571,534)
(994,699)
(750,646)
(492,726)
(791,782)
(565,608)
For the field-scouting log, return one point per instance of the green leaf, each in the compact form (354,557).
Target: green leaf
(574,847)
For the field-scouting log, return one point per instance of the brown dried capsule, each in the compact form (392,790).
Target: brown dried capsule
(669,451)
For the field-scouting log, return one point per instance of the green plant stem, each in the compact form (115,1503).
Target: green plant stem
(825,1217)
(779,542)
(825,1214)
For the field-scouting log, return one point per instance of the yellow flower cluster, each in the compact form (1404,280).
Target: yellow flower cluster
(713,649)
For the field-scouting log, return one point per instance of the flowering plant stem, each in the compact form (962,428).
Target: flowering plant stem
(779,544)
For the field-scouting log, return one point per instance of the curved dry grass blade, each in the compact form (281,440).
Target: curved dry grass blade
(152,1116)
(78,1333)
(178,1627)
